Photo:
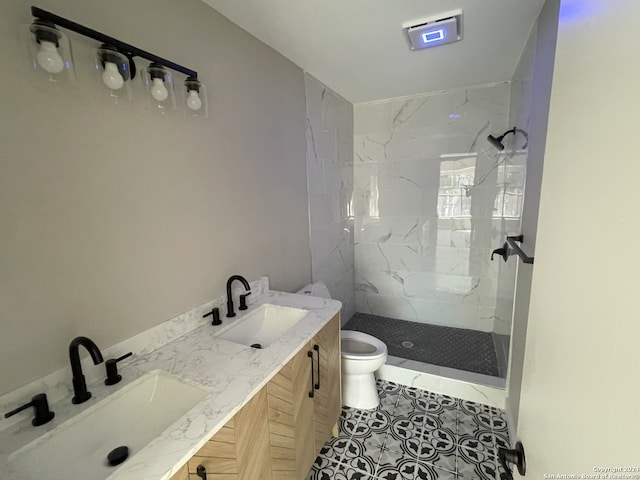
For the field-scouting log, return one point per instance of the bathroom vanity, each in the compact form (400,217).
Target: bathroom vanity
(255,414)
(281,429)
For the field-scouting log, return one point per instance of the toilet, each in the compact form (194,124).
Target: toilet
(362,354)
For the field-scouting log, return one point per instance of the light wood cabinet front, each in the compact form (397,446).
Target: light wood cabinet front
(304,404)
(327,398)
(291,418)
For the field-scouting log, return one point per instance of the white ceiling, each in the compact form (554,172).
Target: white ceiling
(358,47)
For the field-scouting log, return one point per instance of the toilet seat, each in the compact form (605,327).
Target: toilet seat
(361,346)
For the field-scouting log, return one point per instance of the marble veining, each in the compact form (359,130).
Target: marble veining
(232,373)
(329,133)
(432,199)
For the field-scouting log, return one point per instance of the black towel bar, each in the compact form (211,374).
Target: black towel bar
(512,243)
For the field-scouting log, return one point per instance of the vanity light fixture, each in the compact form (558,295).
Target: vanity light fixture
(159,84)
(116,67)
(51,53)
(158,90)
(196,98)
(114,71)
(48,56)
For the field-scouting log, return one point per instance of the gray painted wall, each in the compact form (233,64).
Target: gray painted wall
(114,219)
(582,335)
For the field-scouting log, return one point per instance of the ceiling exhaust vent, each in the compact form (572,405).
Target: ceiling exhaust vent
(434,31)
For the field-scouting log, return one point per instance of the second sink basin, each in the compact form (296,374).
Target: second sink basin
(132,417)
(263,326)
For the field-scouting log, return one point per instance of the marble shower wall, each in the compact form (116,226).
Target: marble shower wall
(432,199)
(330,183)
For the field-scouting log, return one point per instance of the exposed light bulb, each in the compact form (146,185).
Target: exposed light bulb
(111,76)
(193,100)
(159,91)
(49,58)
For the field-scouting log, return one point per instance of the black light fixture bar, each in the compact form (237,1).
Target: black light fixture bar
(102,38)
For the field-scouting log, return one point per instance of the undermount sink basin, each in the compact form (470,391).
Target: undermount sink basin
(263,326)
(132,417)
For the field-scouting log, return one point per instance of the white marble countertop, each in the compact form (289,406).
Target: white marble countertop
(232,374)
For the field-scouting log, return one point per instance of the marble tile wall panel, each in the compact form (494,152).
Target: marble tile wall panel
(330,179)
(432,199)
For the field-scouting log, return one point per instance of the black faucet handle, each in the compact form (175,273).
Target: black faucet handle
(113,376)
(215,316)
(243,301)
(41,408)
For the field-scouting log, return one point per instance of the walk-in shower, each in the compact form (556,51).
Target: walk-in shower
(433,197)
(402,228)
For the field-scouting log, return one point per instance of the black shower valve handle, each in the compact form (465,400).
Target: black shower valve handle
(503,252)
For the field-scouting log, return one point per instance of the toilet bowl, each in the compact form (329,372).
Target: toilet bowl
(362,354)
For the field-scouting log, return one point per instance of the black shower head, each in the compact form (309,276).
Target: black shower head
(497,141)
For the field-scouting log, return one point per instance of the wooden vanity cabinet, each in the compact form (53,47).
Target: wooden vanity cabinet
(280,431)
(305,403)
(327,401)
(291,430)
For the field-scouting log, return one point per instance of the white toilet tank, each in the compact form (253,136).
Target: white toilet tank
(317,289)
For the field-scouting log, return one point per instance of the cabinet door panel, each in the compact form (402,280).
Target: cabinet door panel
(215,476)
(280,441)
(291,418)
(218,455)
(213,448)
(327,401)
(303,411)
(214,465)
(281,417)
(182,474)
(252,439)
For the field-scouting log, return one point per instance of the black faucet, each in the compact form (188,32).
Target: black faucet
(230,312)
(80,393)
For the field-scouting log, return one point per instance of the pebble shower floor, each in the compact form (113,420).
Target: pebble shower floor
(415,434)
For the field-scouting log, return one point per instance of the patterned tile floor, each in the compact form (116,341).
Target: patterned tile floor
(414,434)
